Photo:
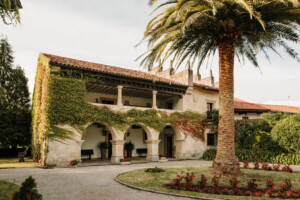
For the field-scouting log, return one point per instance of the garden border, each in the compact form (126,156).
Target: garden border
(158,192)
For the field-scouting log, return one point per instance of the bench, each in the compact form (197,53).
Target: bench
(88,152)
(21,155)
(141,151)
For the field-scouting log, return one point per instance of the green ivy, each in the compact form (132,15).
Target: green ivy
(59,98)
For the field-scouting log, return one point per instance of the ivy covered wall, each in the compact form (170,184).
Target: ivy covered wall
(60,99)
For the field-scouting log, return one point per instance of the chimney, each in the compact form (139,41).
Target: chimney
(212,79)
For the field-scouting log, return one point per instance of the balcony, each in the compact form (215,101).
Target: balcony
(124,98)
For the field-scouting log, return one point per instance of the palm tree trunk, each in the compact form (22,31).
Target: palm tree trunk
(225,161)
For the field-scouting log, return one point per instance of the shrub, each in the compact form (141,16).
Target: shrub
(287,133)
(287,168)
(215,181)
(27,191)
(154,170)
(256,163)
(269,184)
(252,185)
(209,154)
(256,135)
(202,183)
(266,156)
(234,182)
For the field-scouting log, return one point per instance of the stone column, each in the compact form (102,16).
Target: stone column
(179,149)
(154,106)
(117,150)
(152,150)
(120,103)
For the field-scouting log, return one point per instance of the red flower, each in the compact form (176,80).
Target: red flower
(257,194)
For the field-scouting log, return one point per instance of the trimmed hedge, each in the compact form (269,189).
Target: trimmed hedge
(267,156)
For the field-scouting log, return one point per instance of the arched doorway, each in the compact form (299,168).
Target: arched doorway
(136,135)
(167,145)
(96,143)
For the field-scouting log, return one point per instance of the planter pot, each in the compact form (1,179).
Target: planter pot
(129,153)
(163,159)
(125,163)
(103,154)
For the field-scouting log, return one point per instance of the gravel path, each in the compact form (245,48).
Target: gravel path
(94,182)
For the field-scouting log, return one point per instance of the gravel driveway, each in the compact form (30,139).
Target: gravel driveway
(94,182)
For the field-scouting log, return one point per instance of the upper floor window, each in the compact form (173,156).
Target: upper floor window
(211,139)
(209,110)
(169,105)
(108,101)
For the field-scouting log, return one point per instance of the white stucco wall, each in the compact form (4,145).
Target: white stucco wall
(136,137)
(198,99)
(91,139)
(250,115)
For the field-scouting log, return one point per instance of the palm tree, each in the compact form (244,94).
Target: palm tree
(197,29)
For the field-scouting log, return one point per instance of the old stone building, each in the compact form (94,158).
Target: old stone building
(119,90)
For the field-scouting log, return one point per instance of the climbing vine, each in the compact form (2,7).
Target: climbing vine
(59,98)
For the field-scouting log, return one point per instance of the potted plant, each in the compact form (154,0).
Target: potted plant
(103,146)
(129,146)
(125,161)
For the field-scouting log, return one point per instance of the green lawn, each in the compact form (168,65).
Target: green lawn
(6,189)
(155,181)
(14,162)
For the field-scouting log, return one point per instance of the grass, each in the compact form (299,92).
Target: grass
(14,162)
(156,181)
(6,189)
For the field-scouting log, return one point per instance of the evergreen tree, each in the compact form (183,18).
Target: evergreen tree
(14,101)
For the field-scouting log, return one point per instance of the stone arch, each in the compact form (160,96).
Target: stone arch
(95,134)
(147,129)
(172,142)
(112,131)
(179,135)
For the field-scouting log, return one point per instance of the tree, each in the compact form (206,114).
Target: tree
(9,11)
(197,29)
(15,103)
(287,133)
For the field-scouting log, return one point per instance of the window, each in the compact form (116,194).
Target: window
(108,101)
(209,110)
(210,139)
(169,105)
(149,105)
(126,103)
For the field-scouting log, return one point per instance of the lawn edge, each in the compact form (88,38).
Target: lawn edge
(158,192)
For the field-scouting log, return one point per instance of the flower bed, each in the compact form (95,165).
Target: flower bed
(125,161)
(186,181)
(74,163)
(160,182)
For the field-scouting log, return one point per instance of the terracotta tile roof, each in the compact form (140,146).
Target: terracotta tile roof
(208,87)
(281,108)
(79,64)
(241,105)
(244,105)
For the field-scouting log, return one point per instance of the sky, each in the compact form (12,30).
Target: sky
(107,32)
